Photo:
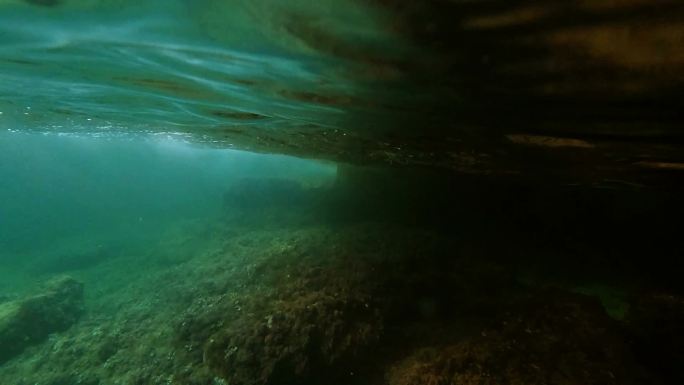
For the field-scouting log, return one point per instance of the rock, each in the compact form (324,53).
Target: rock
(562,338)
(656,324)
(29,321)
(303,341)
(333,308)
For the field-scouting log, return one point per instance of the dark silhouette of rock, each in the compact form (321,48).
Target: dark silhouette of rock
(310,337)
(656,323)
(549,338)
(29,321)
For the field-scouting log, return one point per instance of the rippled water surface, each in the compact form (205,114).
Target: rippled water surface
(186,66)
(479,87)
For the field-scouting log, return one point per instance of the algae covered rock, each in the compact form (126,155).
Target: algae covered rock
(303,340)
(329,307)
(307,316)
(562,338)
(28,321)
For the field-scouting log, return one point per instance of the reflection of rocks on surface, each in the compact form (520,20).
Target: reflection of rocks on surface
(28,321)
(602,76)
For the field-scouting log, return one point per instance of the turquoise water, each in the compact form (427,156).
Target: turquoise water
(179,66)
(61,186)
(340,192)
(72,202)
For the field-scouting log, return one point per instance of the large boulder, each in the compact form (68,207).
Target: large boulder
(554,338)
(30,320)
(656,323)
(308,339)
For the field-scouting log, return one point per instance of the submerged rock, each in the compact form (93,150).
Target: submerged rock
(316,324)
(552,338)
(656,323)
(329,307)
(368,306)
(306,340)
(31,320)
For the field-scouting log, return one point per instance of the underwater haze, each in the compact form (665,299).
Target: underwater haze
(341,192)
(55,185)
(64,191)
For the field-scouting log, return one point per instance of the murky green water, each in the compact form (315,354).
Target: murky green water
(340,192)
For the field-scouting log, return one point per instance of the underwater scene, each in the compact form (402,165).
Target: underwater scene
(341,192)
